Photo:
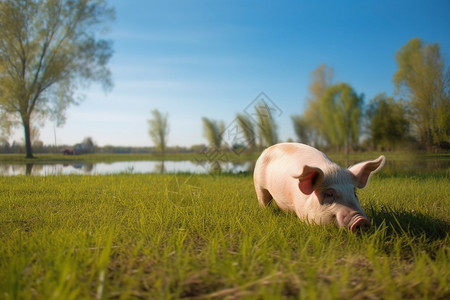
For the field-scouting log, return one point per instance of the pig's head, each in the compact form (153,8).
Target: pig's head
(332,193)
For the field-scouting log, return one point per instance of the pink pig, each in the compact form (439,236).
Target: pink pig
(303,179)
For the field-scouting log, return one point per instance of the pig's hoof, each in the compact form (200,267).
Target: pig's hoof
(360,223)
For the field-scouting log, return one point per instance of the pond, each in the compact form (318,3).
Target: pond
(397,166)
(132,167)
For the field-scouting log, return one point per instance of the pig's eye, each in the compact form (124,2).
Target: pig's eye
(328,196)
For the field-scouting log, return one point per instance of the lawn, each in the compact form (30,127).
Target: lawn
(205,237)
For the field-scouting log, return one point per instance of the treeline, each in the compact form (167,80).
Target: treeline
(419,115)
(337,117)
(16,148)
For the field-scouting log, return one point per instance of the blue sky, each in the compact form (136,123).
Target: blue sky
(195,59)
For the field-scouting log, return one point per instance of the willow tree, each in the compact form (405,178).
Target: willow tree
(248,130)
(267,127)
(213,130)
(159,130)
(48,49)
(422,74)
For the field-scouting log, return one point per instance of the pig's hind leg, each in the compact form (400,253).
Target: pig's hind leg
(264,197)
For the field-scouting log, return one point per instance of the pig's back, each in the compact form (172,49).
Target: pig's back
(286,160)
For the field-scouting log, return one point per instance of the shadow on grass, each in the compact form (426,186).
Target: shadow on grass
(406,223)
(410,223)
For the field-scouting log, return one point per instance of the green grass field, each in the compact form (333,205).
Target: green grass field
(203,237)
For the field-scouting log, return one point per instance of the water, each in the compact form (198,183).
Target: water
(410,166)
(132,167)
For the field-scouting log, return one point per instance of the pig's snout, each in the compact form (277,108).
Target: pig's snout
(359,222)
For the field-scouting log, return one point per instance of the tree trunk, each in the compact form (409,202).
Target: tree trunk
(26,126)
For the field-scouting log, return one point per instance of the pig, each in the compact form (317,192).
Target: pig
(301,178)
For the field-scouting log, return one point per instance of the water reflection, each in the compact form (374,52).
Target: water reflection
(132,167)
(392,167)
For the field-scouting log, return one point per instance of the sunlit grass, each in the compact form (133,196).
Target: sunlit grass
(176,236)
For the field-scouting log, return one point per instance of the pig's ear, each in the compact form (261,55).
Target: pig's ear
(309,179)
(363,170)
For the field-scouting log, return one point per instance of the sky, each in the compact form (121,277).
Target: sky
(198,58)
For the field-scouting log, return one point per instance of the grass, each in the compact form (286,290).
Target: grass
(202,237)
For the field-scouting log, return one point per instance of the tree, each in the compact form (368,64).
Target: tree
(6,124)
(267,128)
(213,131)
(321,80)
(388,124)
(88,145)
(302,129)
(246,124)
(159,130)
(48,48)
(333,114)
(422,75)
(341,110)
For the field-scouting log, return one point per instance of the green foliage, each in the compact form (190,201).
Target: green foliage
(267,128)
(423,76)
(159,130)
(47,49)
(303,129)
(123,236)
(341,110)
(248,129)
(333,114)
(321,80)
(388,122)
(213,131)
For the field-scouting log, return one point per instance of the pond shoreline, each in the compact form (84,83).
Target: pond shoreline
(105,165)
(125,167)
(101,157)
